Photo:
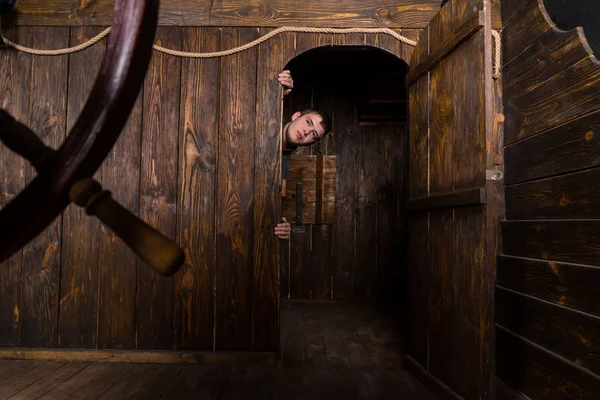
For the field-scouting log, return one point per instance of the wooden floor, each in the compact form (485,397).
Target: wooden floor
(330,351)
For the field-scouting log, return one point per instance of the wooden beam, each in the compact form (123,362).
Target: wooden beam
(136,356)
(446,47)
(429,380)
(470,197)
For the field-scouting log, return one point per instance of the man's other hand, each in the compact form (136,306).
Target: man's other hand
(285,80)
(283,229)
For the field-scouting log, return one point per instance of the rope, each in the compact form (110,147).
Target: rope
(217,53)
(498,48)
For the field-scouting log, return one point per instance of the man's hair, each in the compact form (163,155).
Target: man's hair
(325,119)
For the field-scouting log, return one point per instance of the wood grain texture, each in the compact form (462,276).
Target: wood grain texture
(41,257)
(15,81)
(535,372)
(158,187)
(267,199)
(194,282)
(235,193)
(470,197)
(570,334)
(568,285)
(548,56)
(117,277)
(566,96)
(524,29)
(419,140)
(261,13)
(565,241)
(441,126)
(570,196)
(568,147)
(510,8)
(77,325)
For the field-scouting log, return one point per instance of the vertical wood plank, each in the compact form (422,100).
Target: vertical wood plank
(77,325)
(235,198)
(41,257)
(419,139)
(267,198)
(158,186)
(15,82)
(117,286)
(194,297)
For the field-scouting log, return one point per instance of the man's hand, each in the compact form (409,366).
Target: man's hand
(285,80)
(283,229)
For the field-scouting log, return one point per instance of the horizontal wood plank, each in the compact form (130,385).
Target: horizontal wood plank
(462,198)
(343,13)
(133,356)
(567,241)
(570,334)
(571,196)
(565,97)
(524,29)
(446,47)
(430,381)
(538,373)
(568,285)
(566,148)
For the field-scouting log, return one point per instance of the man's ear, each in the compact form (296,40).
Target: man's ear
(296,115)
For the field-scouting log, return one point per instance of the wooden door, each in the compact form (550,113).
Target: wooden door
(455,201)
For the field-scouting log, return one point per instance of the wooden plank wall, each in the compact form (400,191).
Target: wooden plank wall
(451,229)
(361,253)
(548,316)
(256,13)
(183,165)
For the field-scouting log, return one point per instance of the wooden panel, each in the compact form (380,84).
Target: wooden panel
(41,257)
(320,264)
(267,199)
(551,54)
(370,13)
(117,323)
(158,187)
(407,51)
(300,264)
(194,299)
(471,197)
(419,281)
(419,140)
(510,8)
(537,373)
(235,193)
(523,30)
(570,334)
(573,92)
(441,123)
(77,326)
(571,196)
(15,82)
(441,299)
(344,229)
(568,147)
(366,213)
(470,330)
(567,241)
(469,141)
(463,11)
(568,285)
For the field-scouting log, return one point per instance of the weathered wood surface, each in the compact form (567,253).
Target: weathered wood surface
(235,192)
(536,372)
(15,81)
(510,8)
(573,241)
(346,13)
(570,334)
(470,197)
(80,258)
(194,301)
(40,281)
(158,187)
(570,196)
(419,140)
(568,147)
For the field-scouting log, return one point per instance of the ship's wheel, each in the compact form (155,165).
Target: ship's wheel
(64,174)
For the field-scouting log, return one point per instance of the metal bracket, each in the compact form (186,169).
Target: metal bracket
(494,175)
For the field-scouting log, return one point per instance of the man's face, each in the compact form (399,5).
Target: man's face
(304,130)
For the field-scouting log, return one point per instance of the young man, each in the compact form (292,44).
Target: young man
(305,128)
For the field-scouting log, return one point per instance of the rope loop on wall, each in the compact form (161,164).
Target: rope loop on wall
(498,53)
(235,50)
